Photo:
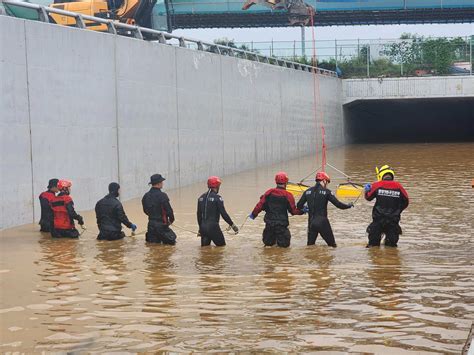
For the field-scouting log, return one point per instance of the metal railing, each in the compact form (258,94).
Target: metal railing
(143,33)
(416,56)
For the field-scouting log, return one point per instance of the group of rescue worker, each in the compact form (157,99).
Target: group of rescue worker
(58,214)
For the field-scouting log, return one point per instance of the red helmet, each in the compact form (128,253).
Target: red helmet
(281,178)
(62,184)
(214,182)
(321,175)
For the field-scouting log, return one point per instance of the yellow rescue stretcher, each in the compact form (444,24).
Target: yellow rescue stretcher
(344,190)
(296,189)
(349,190)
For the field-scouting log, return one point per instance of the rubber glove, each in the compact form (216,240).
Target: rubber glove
(235,228)
(367,187)
(305,209)
(251,216)
(133,227)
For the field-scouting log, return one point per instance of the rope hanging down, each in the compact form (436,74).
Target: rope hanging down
(317,106)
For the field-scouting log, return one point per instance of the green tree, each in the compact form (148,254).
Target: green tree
(413,52)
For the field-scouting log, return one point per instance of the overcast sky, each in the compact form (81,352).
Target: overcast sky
(331,33)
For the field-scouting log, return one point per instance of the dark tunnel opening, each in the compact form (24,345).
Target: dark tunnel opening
(410,120)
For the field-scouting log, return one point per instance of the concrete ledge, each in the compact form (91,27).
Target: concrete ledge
(398,88)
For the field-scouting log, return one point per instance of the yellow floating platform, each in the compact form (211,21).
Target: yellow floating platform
(296,189)
(345,190)
(349,190)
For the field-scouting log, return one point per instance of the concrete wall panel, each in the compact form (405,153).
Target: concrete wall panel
(15,177)
(147,114)
(199,96)
(240,137)
(72,105)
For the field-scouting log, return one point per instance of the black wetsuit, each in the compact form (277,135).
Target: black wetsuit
(391,200)
(156,206)
(110,216)
(209,210)
(317,198)
(46,221)
(276,203)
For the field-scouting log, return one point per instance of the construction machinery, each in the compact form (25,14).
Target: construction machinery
(132,12)
(299,13)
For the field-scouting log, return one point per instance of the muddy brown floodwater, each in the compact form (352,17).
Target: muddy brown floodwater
(85,295)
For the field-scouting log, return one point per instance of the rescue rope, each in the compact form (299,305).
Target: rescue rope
(307,176)
(340,172)
(317,98)
(357,199)
(184,229)
(316,108)
(243,224)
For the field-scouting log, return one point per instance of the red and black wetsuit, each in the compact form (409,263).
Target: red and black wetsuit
(276,203)
(391,200)
(46,221)
(64,216)
(317,198)
(209,210)
(156,206)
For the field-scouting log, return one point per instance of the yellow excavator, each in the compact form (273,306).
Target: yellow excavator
(132,12)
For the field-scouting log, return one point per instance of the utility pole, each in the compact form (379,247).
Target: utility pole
(335,50)
(368,60)
(303,44)
(470,54)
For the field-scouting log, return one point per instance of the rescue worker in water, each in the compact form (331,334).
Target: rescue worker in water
(390,201)
(316,198)
(157,207)
(209,210)
(110,215)
(64,213)
(276,202)
(46,221)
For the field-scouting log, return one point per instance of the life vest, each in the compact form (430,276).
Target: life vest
(45,202)
(48,195)
(61,216)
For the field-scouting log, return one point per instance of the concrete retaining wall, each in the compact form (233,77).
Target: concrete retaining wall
(96,108)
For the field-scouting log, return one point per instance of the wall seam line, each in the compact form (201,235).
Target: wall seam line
(222,119)
(116,111)
(29,125)
(177,115)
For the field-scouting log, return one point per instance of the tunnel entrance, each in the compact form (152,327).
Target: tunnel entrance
(409,120)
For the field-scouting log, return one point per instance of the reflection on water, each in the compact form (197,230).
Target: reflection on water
(89,295)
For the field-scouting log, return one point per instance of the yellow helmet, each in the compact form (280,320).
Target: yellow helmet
(382,171)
